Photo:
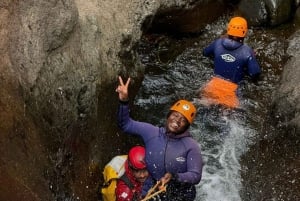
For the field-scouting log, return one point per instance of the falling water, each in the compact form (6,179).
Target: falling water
(221,151)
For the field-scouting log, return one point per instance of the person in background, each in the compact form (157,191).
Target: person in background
(232,60)
(129,186)
(172,155)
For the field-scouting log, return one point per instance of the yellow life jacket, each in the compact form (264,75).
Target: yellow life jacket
(113,170)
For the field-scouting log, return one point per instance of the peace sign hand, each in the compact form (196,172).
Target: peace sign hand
(122,89)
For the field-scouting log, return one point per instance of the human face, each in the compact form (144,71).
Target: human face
(176,123)
(140,174)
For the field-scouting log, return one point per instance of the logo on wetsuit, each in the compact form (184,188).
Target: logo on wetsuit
(228,57)
(180,159)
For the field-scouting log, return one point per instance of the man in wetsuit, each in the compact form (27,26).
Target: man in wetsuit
(172,155)
(129,186)
(232,60)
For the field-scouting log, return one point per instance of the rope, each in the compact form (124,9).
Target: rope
(151,193)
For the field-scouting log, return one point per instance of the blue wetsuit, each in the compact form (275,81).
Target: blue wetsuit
(232,59)
(165,152)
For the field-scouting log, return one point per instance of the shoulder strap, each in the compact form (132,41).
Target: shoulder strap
(127,181)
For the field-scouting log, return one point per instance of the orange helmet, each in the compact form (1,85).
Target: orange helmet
(186,108)
(237,27)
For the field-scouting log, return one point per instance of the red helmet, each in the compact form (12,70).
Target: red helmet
(136,157)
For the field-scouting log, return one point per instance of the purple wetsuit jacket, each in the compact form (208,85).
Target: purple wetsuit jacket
(232,59)
(165,152)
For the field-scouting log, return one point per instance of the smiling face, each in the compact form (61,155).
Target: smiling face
(176,123)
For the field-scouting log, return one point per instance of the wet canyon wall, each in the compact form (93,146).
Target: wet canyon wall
(59,64)
(271,166)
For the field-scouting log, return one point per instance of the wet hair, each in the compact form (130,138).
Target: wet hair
(239,39)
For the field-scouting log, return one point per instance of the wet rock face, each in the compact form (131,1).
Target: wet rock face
(267,12)
(186,21)
(286,104)
(272,164)
(39,27)
(22,160)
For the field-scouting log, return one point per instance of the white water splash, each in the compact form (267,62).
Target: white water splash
(221,180)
